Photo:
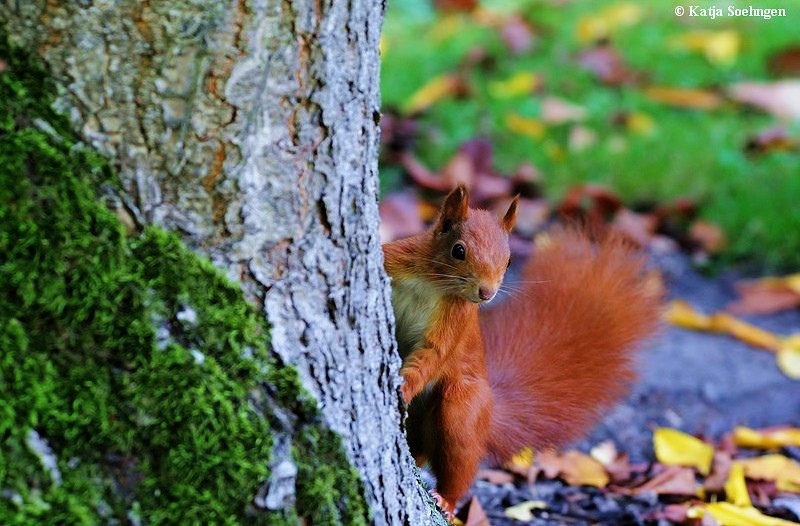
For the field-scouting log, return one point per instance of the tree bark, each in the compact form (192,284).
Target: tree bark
(251,128)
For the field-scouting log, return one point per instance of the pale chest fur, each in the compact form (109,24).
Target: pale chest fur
(415,302)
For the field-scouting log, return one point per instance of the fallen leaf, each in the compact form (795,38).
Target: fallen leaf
(781,99)
(604,61)
(721,48)
(708,236)
(517,34)
(774,139)
(559,111)
(472,514)
(788,359)
(640,123)
(605,452)
(523,511)
(400,216)
(675,513)
(720,472)
(681,314)
(603,24)
(784,471)
(785,63)
(723,322)
(735,487)
(495,476)
(674,480)
(676,448)
(640,228)
(436,89)
(729,515)
(766,438)
(455,5)
(581,138)
(525,125)
(683,97)
(517,85)
(579,469)
(767,295)
(521,462)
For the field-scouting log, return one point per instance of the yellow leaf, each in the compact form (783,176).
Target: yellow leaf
(522,83)
(676,448)
(681,314)
(683,98)
(784,471)
(789,361)
(383,45)
(523,511)
(729,515)
(432,92)
(793,282)
(604,23)
(582,470)
(525,125)
(720,47)
(640,123)
(523,459)
(746,437)
(744,331)
(735,487)
(446,27)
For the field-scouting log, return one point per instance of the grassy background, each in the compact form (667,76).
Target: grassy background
(689,152)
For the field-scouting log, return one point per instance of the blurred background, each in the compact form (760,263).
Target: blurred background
(689,124)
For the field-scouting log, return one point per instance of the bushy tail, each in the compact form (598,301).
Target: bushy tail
(562,351)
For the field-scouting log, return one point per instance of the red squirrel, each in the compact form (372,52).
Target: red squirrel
(536,370)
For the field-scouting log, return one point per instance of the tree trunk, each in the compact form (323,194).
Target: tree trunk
(250,127)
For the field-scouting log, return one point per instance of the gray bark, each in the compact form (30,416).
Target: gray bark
(250,127)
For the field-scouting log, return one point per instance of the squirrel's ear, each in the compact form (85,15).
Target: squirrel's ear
(454,210)
(511,215)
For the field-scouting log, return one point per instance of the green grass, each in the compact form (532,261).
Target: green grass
(690,152)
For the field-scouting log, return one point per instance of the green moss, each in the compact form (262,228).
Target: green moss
(136,363)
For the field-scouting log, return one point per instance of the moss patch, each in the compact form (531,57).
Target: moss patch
(137,374)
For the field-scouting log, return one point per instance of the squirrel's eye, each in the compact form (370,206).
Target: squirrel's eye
(459,252)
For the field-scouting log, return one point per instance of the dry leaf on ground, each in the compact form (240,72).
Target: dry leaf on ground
(781,99)
(677,448)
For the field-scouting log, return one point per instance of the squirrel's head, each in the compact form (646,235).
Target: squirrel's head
(470,251)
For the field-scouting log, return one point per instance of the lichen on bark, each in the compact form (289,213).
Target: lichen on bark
(140,382)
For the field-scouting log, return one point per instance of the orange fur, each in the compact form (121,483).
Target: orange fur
(554,357)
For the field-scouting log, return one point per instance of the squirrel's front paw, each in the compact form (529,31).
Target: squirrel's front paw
(412,384)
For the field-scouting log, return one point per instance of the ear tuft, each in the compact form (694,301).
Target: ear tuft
(511,215)
(454,210)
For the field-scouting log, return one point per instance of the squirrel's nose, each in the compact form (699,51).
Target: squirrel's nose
(486,293)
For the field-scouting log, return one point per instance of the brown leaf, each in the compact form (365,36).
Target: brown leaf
(764,301)
(455,5)
(495,476)
(531,214)
(517,34)
(638,227)
(695,99)
(765,296)
(559,111)
(604,61)
(675,480)
(715,482)
(549,462)
(400,216)
(472,514)
(708,236)
(772,139)
(3,65)
(595,197)
(786,62)
(781,99)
